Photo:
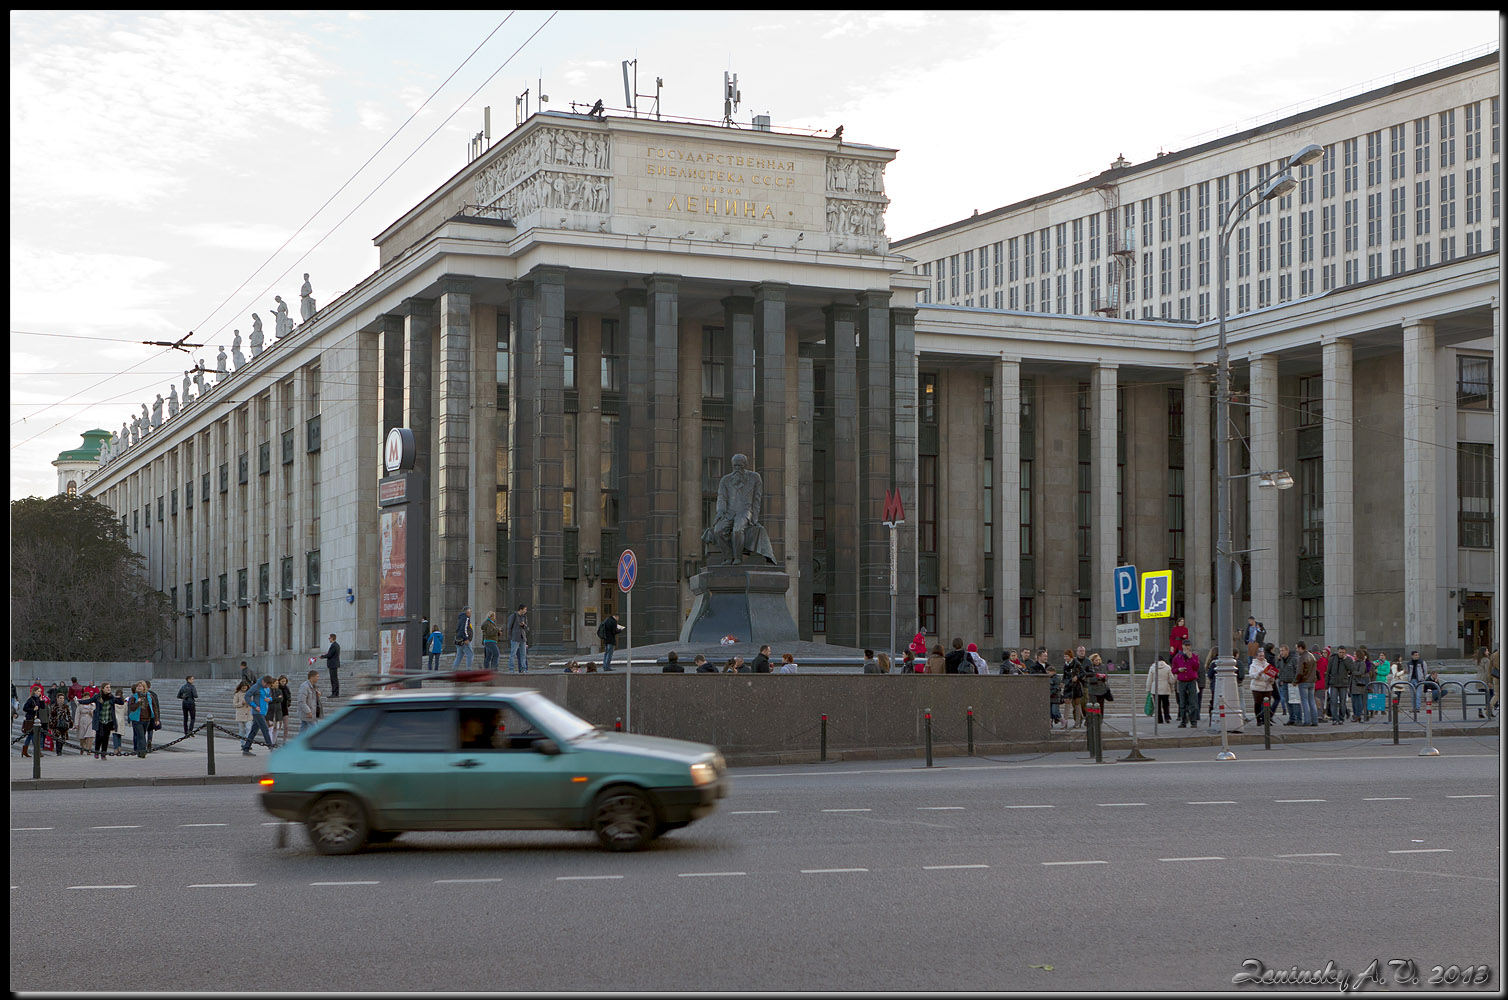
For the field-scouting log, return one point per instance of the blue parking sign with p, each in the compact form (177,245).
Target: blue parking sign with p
(1125,590)
(1157,594)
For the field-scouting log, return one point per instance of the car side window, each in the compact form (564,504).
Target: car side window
(345,732)
(414,730)
(496,727)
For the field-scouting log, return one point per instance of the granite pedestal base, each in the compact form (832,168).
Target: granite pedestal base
(747,602)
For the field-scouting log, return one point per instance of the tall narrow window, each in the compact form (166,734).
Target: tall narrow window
(1474,493)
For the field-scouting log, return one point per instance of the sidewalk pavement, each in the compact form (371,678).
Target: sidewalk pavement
(186,762)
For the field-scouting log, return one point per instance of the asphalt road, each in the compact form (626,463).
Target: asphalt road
(1045,874)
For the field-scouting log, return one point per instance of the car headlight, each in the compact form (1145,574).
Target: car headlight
(703,773)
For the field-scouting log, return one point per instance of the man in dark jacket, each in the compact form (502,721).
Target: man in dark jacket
(517,628)
(608,633)
(702,666)
(1288,683)
(955,658)
(189,695)
(673,663)
(1418,673)
(761,663)
(464,634)
(1338,677)
(332,660)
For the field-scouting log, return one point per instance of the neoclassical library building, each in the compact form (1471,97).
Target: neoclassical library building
(583,325)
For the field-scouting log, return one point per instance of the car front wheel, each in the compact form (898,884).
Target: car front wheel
(337,825)
(624,819)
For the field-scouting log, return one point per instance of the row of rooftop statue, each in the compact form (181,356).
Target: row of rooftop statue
(139,427)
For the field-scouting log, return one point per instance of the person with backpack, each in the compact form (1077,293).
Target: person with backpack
(490,635)
(433,646)
(188,694)
(608,632)
(464,634)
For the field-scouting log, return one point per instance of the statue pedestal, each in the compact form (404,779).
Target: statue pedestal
(745,601)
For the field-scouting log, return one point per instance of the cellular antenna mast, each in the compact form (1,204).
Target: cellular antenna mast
(631,93)
(731,97)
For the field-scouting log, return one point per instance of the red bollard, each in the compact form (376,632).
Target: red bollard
(618,724)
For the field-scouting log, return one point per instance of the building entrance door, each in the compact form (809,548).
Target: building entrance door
(1476,630)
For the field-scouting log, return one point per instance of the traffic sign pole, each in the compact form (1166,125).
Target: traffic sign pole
(628,571)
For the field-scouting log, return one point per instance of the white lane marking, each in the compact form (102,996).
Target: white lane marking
(941,868)
(115,828)
(1424,850)
(1468,796)
(847,810)
(1031,807)
(1191,859)
(1298,800)
(1075,862)
(463,881)
(1215,802)
(23,829)
(708,874)
(829,871)
(753,812)
(1120,803)
(344,883)
(579,878)
(1308,855)
(102,887)
(1389,798)
(222,885)
(183,825)
(939,808)
(278,822)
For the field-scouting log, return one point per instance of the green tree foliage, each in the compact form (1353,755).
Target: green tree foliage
(78,592)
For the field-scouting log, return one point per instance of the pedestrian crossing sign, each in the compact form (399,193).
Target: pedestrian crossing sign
(1157,594)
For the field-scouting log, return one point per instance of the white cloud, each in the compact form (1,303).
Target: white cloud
(124,293)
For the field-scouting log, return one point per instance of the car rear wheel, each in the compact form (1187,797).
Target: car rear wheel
(624,819)
(337,825)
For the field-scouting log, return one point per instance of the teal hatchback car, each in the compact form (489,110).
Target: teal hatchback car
(477,757)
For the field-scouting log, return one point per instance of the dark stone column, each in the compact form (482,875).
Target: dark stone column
(521,417)
(768,458)
(842,477)
(548,386)
(738,320)
(634,423)
(453,470)
(418,351)
(903,467)
(804,566)
(659,565)
(390,370)
(875,466)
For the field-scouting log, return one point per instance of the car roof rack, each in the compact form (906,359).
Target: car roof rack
(454,678)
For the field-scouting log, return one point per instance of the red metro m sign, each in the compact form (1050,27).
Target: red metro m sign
(894,513)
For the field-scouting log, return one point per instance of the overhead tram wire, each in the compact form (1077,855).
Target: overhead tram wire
(305,225)
(405,160)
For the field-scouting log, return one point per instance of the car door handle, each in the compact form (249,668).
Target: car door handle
(366,763)
(468,762)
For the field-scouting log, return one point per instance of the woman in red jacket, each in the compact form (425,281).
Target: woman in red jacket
(1179,633)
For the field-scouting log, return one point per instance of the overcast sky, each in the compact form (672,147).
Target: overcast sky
(161,162)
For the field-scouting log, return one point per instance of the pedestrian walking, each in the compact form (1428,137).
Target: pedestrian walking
(188,694)
(607,631)
(103,702)
(274,710)
(59,722)
(309,709)
(673,663)
(1418,670)
(331,657)
(871,665)
(1307,677)
(35,712)
(433,645)
(884,661)
(518,640)
(257,699)
(283,695)
(918,645)
(248,675)
(155,706)
(699,662)
(956,657)
(1186,672)
(490,635)
(1176,635)
(243,710)
(463,637)
(1160,685)
(761,664)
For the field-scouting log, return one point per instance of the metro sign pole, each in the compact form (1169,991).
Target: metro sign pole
(895,516)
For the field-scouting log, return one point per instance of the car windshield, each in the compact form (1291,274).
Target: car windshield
(554,718)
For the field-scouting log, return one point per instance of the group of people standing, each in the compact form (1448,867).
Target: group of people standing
(515,630)
(93,716)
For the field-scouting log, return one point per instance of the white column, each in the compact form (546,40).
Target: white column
(1420,552)
(1263,501)
(1198,524)
(1102,391)
(1339,465)
(1007,512)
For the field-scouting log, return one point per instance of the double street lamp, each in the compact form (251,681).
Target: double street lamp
(1225,662)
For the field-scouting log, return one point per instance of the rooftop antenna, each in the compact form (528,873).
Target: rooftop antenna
(521,108)
(731,97)
(631,90)
(482,141)
(539,89)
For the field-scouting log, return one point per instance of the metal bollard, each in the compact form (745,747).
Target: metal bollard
(929,737)
(1429,727)
(618,724)
(1395,718)
(209,747)
(971,730)
(1267,727)
(824,738)
(36,749)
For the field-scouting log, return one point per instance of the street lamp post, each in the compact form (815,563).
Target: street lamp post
(1225,662)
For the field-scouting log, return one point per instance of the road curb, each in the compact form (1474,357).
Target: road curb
(44,784)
